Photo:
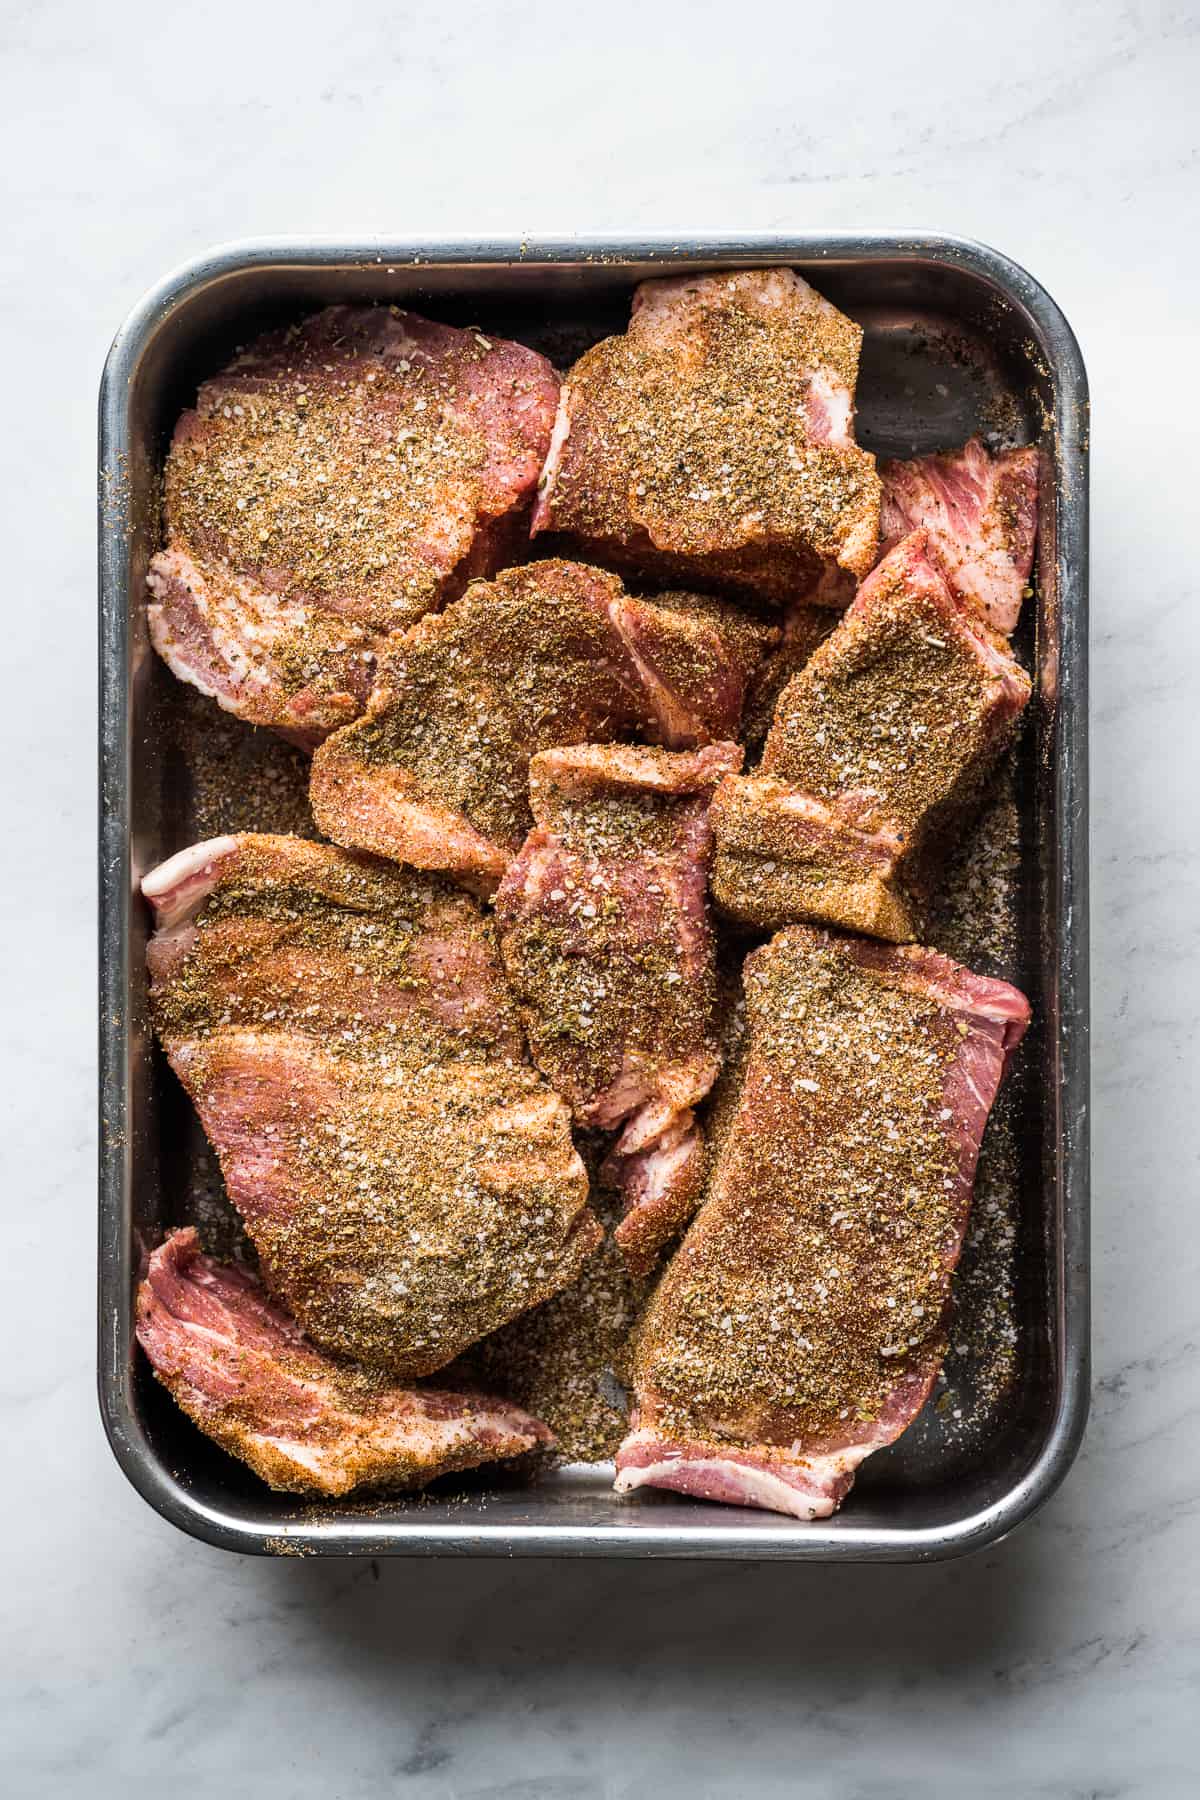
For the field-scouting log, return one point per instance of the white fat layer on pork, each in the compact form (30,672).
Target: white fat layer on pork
(809,1492)
(178,888)
(554,454)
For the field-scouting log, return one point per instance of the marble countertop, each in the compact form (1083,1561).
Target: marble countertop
(1064,1663)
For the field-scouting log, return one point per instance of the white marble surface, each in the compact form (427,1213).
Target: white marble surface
(1067,1662)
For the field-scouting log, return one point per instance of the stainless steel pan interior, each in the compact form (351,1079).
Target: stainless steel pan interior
(957,338)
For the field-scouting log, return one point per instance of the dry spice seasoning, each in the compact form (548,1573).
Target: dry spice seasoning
(818,1271)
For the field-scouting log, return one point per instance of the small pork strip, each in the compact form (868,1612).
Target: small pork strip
(802,1323)
(980,513)
(607,944)
(713,442)
(553,653)
(244,1372)
(876,758)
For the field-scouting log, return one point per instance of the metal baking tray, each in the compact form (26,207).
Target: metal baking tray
(957,336)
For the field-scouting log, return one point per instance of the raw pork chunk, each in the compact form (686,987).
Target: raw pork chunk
(713,442)
(339,480)
(554,653)
(980,513)
(345,1032)
(802,1323)
(244,1372)
(876,757)
(606,940)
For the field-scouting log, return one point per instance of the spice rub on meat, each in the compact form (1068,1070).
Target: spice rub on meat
(345,1032)
(553,653)
(713,442)
(801,1325)
(339,480)
(980,514)
(244,1372)
(606,940)
(876,756)
(802,629)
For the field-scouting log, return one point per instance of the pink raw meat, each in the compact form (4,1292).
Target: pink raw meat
(802,1323)
(980,512)
(246,1374)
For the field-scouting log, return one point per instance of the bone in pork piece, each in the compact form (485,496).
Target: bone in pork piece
(607,944)
(877,754)
(437,772)
(980,513)
(345,1032)
(802,1323)
(244,1372)
(713,442)
(339,480)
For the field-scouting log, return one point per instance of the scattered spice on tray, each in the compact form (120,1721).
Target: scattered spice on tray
(239,777)
(565,1361)
(974,915)
(975,919)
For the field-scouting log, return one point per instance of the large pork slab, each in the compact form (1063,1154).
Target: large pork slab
(345,1032)
(245,1373)
(802,1323)
(340,479)
(713,442)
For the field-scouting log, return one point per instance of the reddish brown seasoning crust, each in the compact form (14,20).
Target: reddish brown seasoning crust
(752,635)
(346,1035)
(712,442)
(802,1322)
(553,653)
(401,1216)
(877,755)
(378,965)
(339,480)
(607,944)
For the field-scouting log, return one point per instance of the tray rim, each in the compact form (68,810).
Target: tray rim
(1068,1110)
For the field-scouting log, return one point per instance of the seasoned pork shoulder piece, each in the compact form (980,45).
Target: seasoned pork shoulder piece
(877,753)
(980,513)
(606,940)
(437,772)
(713,443)
(244,1372)
(802,1323)
(345,1032)
(340,479)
